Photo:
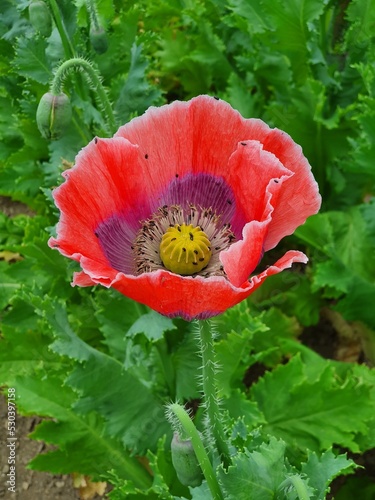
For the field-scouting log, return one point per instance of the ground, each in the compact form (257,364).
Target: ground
(30,485)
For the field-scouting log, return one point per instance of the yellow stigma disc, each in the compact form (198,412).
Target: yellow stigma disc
(185,249)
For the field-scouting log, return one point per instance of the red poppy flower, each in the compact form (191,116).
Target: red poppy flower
(176,210)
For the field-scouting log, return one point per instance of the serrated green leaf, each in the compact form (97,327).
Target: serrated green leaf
(187,367)
(132,412)
(322,470)
(257,22)
(83,445)
(256,475)
(313,414)
(232,355)
(116,314)
(8,286)
(31,60)
(152,324)
(137,94)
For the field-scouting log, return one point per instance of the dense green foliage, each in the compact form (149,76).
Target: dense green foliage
(100,367)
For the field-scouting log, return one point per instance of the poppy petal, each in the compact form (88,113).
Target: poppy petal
(191,298)
(252,170)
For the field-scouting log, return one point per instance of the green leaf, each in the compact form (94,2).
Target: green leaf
(31,60)
(83,445)
(257,22)
(232,355)
(131,411)
(257,474)
(293,22)
(8,286)
(187,366)
(313,413)
(153,325)
(137,94)
(322,470)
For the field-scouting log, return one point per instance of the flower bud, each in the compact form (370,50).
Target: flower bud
(40,17)
(185,462)
(53,115)
(99,40)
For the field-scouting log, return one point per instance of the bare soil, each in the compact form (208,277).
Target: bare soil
(30,485)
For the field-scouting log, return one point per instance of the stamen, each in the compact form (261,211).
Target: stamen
(180,240)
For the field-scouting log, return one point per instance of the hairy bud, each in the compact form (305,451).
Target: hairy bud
(185,462)
(40,17)
(99,40)
(53,115)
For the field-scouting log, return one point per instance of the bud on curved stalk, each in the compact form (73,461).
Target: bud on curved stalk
(53,115)
(185,462)
(98,39)
(40,17)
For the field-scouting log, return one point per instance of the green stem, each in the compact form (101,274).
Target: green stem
(299,485)
(210,392)
(91,8)
(93,77)
(68,47)
(204,462)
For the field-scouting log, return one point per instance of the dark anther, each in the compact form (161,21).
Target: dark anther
(275,180)
(146,156)
(217,248)
(179,229)
(96,234)
(132,247)
(96,140)
(216,97)
(176,176)
(165,206)
(229,202)
(191,236)
(173,239)
(195,263)
(243,143)
(221,268)
(201,259)
(209,249)
(183,249)
(196,252)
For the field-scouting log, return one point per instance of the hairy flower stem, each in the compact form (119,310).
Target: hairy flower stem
(91,8)
(204,462)
(215,425)
(66,43)
(78,63)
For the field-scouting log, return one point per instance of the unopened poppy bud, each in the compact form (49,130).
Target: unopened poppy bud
(99,40)
(53,115)
(40,17)
(185,462)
